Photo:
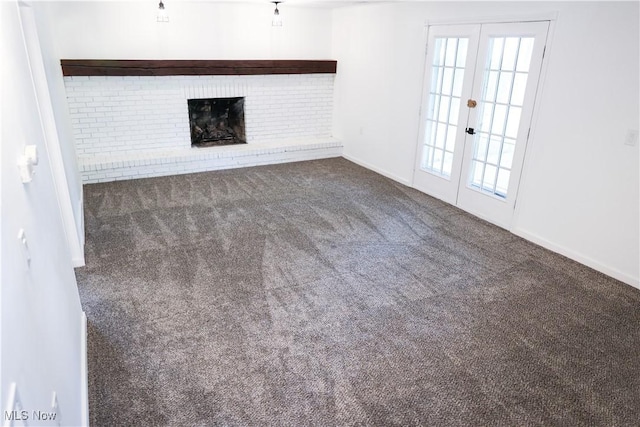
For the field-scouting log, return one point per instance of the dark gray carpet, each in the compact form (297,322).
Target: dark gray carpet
(320,293)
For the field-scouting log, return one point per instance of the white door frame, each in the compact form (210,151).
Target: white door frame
(551,17)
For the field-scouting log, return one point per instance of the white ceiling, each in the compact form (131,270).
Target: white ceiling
(330,4)
(303,3)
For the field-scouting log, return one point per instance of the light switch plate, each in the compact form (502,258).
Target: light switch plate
(26,163)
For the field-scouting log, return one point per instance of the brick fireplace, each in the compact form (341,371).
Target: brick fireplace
(138,126)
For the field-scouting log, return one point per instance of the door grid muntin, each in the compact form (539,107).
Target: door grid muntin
(443,113)
(500,109)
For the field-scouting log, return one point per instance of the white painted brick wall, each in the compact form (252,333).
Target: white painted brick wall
(133,127)
(118,115)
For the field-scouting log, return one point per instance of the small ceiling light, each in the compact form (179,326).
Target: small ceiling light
(277,19)
(163,16)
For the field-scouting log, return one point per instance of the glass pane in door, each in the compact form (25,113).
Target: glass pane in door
(500,107)
(447,75)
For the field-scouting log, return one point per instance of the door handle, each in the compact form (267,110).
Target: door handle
(470,131)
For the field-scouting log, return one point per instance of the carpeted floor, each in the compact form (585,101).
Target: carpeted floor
(321,293)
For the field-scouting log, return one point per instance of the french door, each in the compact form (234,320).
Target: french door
(479,90)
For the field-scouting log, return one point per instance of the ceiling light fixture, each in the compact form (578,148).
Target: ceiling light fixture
(277,19)
(163,16)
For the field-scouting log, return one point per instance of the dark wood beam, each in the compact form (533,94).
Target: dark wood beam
(99,67)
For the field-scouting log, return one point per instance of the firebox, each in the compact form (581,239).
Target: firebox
(217,121)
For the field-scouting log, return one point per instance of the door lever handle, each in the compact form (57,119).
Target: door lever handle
(470,131)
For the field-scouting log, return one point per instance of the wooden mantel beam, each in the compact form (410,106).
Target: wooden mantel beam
(99,67)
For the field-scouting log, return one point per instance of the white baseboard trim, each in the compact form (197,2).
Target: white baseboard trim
(84,372)
(377,170)
(78,261)
(578,257)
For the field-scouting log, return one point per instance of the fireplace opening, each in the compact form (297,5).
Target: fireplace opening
(217,121)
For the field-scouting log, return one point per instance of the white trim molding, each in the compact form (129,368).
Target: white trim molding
(511,18)
(578,257)
(84,371)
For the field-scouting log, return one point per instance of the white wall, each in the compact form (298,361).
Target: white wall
(42,329)
(54,112)
(197,30)
(581,184)
(380,54)
(579,192)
